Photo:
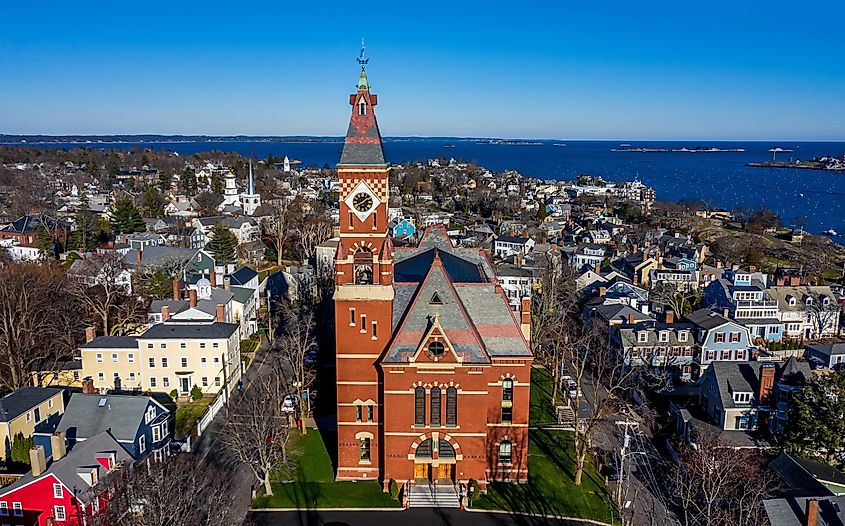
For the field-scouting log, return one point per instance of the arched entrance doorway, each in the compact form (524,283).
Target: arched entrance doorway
(435,461)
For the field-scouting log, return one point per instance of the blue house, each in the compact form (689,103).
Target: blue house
(139,423)
(403,229)
(744,297)
(719,339)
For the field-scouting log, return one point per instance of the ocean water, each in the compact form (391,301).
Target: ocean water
(718,178)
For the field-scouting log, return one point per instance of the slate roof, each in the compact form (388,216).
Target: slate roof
(707,319)
(791,511)
(157,256)
(619,312)
(214,330)
(81,457)
(511,239)
(242,276)
(22,400)
(829,349)
(732,377)
(629,335)
(84,417)
(782,294)
(112,342)
(363,145)
(474,315)
(241,294)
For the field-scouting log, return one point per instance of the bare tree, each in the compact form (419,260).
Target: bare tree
(714,484)
(257,433)
(596,368)
(298,344)
(178,492)
(313,231)
(103,288)
(279,226)
(681,299)
(38,321)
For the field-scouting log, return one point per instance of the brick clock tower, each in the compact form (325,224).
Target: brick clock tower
(364,292)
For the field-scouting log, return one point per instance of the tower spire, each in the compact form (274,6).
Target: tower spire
(251,187)
(363,84)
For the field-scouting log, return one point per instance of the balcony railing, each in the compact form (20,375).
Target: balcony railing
(757,303)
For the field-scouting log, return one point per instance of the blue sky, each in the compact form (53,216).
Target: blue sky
(569,70)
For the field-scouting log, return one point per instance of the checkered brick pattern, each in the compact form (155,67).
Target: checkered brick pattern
(378,187)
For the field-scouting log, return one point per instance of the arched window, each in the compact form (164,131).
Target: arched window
(419,406)
(507,390)
(363,267)
(435,407)
(505,452)
(362,108)
(451,406)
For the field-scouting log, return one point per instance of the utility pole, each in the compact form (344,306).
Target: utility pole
(624,453)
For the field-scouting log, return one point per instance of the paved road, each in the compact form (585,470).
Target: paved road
(415,517)
(210,449)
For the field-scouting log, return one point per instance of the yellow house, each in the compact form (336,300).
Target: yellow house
(64,374)
(22,410)
(168,356)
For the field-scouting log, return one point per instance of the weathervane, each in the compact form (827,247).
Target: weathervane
(361,60)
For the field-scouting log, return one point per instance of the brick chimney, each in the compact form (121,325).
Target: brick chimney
(636,279)
(811,512)
(525,318)
(192,295)
(90,334)
(725,313)
(37,460)
(767,383)
(227,282)
(597,268)
(221,313)
(212,277)
(670,316)
(177,290)
(794,281)
(631,319)
(57,444)
(138,258)
(718,264)
(602,291)
(165,313)
(88,385)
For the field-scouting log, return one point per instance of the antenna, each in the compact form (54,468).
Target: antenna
(361,60)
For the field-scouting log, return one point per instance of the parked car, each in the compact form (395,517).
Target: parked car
(572,390)
(290,403)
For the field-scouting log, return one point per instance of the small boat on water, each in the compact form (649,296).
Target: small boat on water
(830,232)
(448,145)
(624,145)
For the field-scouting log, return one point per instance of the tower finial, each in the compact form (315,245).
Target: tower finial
(361,60)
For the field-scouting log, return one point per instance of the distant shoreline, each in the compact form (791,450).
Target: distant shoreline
(800,165)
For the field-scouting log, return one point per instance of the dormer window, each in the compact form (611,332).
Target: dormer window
(826,301)
(808,301)
(791,301)
(642,337)
(742,397)
(683,336)
(362,108)
(664,336)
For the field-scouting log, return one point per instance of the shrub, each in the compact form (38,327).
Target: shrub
(20,448)
(174,394)
(474,489)
(393,488)
(196,392)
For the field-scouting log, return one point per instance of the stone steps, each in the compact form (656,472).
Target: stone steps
(421,496)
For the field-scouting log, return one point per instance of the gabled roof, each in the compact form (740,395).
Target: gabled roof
(81,458)
(112,342)
(707,319)
(203,331)
(242,276)
(792,511)
(22,400)
(87,415)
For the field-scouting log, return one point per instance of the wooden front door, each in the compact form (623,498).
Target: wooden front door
(444,471)
(421,471)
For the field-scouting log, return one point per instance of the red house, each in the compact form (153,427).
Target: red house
(433,367)
(67,488)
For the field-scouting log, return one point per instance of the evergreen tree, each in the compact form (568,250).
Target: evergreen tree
(84,238)
(189,181)
(217,183)
(153,203)
(20,448)
(164,180)
(223,243)
(126,219)
(92,167)
(815,426)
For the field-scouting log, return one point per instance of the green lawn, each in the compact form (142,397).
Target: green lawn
(188,413)
(550,489)
(541,412)
(314,485)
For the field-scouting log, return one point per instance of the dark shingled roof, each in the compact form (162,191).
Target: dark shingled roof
(792,511)
(85,417)
(112,342)
(22,400)
(214,330)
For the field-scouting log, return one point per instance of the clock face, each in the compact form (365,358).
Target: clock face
(362,202)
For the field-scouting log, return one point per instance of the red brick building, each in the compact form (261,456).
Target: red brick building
(433,367)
